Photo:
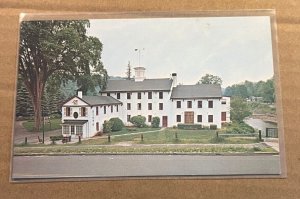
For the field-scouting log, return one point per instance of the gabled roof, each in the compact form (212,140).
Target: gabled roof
(145,85)
(95,100)
(100,100)
(196,91)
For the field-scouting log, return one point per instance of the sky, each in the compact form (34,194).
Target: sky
(233,48)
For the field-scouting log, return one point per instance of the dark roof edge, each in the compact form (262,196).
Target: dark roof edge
(131,91)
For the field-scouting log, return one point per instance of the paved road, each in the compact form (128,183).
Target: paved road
(28,167)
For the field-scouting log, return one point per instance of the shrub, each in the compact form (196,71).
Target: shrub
(138,121)
(190,126)
(117,124)
(213,127)
(155,122)
(56,138)
(107,126)
(239,128)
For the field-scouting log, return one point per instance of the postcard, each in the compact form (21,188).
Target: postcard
(147,95)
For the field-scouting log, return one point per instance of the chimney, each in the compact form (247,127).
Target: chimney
(139,74)
(79,94)
(174,77)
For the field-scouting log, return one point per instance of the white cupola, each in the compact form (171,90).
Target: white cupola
(139,74)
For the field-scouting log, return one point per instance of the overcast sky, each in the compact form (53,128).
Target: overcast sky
(234,48)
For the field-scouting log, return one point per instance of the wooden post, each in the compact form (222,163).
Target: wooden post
(79,139)
(176,136)
(25,140)
(108,137)
(142,137)
(217,134)
(259,135)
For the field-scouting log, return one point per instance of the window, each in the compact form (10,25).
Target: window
(104,109)
(149,118)
(149,95)
(178,104)
(178,118)
(112,108)
(210,118)
(108,94)
(72,130)
(223,116)
(189,104)
(149,106)
(68,111)
(161,95)
(139,106)
(210,104)
(118,96)
(66,129)
(139,96)
(128,95)
(97,126)
(223,102)
(199,104)
(83,111)
(128,106)
(199,118)
(78,130)
(128,118)
(161,106)
(97,111)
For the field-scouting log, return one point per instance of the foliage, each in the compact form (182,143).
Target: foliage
(238,109)
(213,127)
(128,72)
(264,89)
(60,50)
(56,138)
(259,108)
(117,124)
(190,126)
(155,122)
(138,121)
(239,128)
(107,126)
(210,79)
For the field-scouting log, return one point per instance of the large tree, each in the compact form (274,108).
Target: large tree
(210,79)
(238,109)
(56,48)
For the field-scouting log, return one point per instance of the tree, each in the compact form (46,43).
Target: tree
(56,48)
(128,72)
(238,109)
(210,79)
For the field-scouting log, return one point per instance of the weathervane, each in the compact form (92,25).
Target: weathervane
(139,54)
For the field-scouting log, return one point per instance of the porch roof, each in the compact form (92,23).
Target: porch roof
(78,122)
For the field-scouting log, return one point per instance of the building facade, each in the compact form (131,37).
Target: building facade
(173,104)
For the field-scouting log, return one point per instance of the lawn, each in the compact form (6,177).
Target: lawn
(148,149)
(55,124)
(127,130)
(168,136)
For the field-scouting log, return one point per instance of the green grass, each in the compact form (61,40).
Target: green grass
(54,149)
(55,124)
(127,130)
(167,136)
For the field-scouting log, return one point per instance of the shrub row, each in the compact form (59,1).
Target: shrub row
(239,128)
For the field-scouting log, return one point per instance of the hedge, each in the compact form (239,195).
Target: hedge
(190,126)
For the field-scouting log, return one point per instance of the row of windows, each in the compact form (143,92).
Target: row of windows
(72,129)
(199,118)
(190,105)
(139,95)
(139,106)
(82,111)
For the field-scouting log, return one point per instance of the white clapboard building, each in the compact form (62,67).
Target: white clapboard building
(163,98)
